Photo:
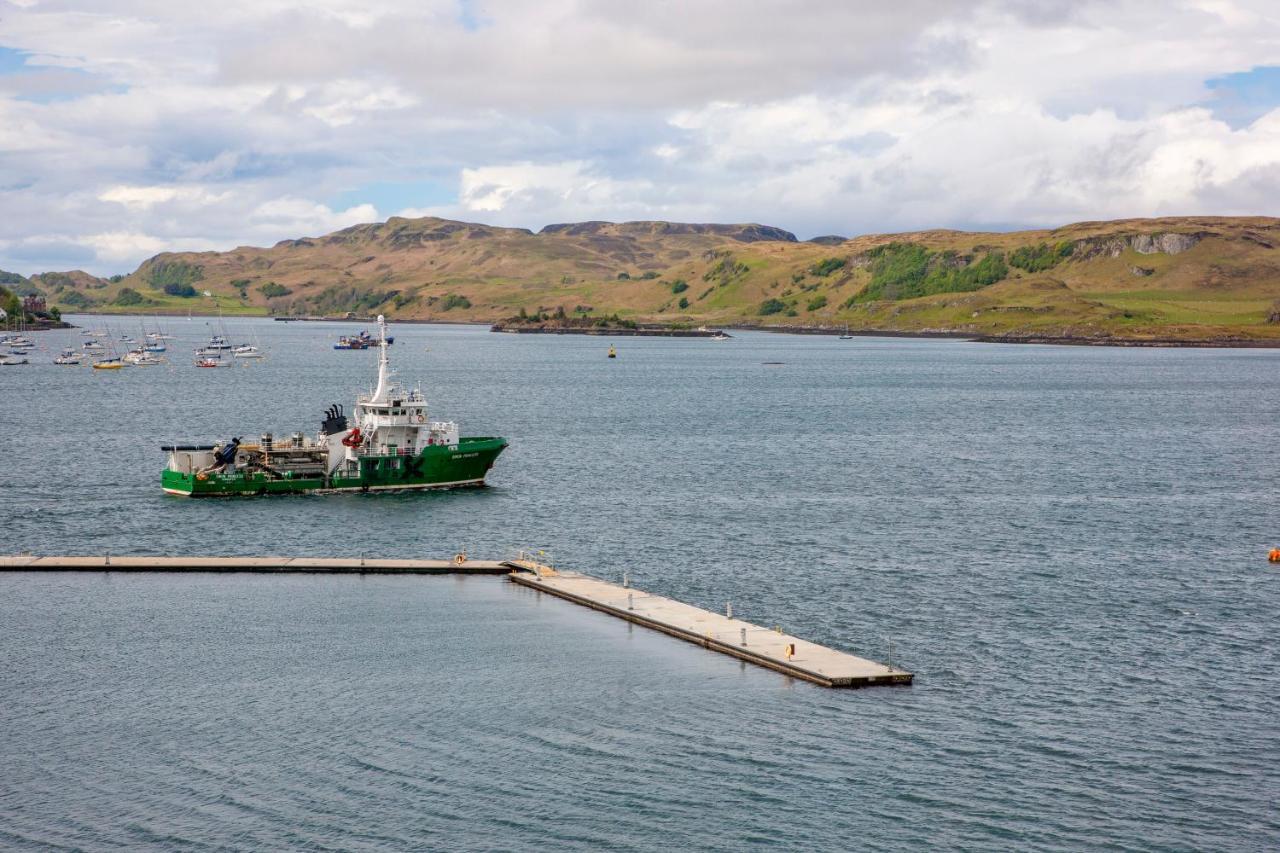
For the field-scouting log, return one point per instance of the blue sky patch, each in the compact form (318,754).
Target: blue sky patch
(390,197)
(1243,97)
(12,60)
(469,17)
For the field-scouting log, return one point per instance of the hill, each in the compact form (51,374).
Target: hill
(1182,278)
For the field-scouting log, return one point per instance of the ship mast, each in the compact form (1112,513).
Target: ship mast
(380,394)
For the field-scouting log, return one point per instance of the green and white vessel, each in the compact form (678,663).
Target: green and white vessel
(388,444)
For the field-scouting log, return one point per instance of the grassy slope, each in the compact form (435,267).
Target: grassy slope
(1223,286)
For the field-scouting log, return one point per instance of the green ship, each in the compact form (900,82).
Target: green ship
(388,444)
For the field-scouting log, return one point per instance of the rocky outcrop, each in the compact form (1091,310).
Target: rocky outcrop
(1142,271)
(827,240)
(1170,243)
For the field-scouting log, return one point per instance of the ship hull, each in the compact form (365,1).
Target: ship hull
(438,467)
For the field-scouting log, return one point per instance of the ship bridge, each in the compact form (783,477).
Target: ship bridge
(395,420)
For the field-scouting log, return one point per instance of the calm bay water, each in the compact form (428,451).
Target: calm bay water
(1066,545)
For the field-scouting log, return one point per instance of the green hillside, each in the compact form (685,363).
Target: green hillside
(1185,278)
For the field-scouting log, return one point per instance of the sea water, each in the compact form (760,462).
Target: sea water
(1067,545)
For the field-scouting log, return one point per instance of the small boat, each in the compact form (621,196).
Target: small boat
(361,341)
(613,353)
(218,342)
(141,358)
(68,356)
(108,364)
(348,342)
(154,346)
(92,346)
(247,351)
(208,362)
(720,336)
(846,336)
(13,360)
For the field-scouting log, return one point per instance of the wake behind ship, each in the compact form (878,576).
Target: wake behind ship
(388,444)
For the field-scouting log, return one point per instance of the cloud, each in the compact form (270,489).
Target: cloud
(135,127)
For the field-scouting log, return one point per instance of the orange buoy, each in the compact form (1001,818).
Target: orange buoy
(1274,556)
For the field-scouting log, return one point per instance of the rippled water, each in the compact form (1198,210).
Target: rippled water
(1066,545)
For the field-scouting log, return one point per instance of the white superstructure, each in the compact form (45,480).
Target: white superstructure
(393,421)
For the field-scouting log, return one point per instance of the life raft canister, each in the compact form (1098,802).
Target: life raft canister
(353,438)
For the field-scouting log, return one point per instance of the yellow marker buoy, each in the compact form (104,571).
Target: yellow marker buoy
(613,353)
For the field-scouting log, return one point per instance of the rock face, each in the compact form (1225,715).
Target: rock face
(828,240)
(1144,244)
(1141,271)
(1170,244)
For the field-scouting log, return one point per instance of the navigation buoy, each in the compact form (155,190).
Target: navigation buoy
(459,559)
(613,353)
(1274,556)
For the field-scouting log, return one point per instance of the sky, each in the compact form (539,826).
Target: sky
(139,126)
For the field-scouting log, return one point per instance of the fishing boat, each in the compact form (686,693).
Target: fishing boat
(67,356)
(387,444)
(363,340)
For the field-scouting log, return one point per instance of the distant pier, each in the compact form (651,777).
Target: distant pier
(766,647)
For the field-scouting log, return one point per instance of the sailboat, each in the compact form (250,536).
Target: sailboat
(846,336)
(249,350)
(111,361)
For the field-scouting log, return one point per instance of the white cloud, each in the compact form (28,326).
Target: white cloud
(143,198)
(156,126)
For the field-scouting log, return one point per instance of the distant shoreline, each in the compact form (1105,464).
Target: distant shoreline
(1045,340)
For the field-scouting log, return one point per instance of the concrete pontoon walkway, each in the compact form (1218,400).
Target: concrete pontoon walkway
(763,646)
(743,640)
(262,565)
